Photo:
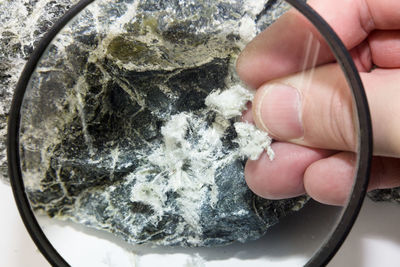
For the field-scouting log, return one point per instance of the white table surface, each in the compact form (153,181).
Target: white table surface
(374,241)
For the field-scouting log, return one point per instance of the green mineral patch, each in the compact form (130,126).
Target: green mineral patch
(125,48)
(148,46)
(178,33)
(142,26)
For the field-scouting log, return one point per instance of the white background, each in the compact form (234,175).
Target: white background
(374,241)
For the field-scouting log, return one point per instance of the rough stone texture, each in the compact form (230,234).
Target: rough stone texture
(112,89)
(23,23)
(115,131)
(392,195)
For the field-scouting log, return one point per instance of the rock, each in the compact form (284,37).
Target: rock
(97,139)
(116,133)
(392,195)
(23,24)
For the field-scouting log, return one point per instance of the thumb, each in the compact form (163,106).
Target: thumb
(315,109)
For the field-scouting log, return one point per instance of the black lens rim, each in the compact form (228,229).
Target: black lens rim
(13,157)
(348,216)
(365,143)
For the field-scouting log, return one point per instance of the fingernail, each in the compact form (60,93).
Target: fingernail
(278,111)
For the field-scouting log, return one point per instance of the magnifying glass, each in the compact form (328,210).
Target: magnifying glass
(121,122)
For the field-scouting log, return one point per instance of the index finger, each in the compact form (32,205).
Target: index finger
(279,50)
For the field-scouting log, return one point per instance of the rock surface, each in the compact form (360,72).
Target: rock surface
(96,134)
(23,23)
(392,195)
(116,133)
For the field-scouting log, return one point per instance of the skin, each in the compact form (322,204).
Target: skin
(314,125)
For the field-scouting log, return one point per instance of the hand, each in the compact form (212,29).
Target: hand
(314,127)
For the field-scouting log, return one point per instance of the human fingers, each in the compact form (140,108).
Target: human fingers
(279,50)
(326,176)
(334,186)
(330,180)
(381,49)
(321,115)
(384,47)
(282,177)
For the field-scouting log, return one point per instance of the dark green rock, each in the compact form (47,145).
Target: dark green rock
(93,118)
